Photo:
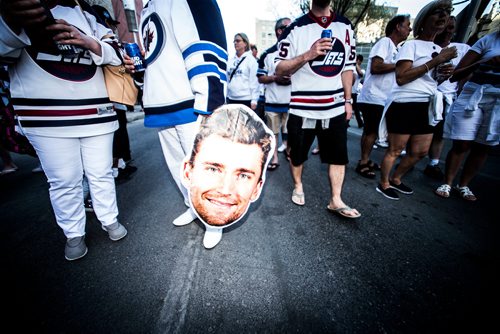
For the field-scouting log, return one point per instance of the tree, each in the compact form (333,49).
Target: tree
(354,10)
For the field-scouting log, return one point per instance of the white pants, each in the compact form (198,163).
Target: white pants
(64,160)
(176,143)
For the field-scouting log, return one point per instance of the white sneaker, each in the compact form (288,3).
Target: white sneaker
(38,169)
(282,148)
(212,237)
(184,219)
(383,144)
(121,164)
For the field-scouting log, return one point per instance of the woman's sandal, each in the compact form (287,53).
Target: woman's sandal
(465,193)
(373,165)
(365,170)
(443,191)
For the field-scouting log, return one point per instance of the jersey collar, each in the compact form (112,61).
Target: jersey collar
(323,21)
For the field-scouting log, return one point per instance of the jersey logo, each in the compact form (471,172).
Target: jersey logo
(332,63)
(153,37)
(77,69)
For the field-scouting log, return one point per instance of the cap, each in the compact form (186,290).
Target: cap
(104,15)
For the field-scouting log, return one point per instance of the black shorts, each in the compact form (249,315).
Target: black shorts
(372,114)
(247,103)
(332,141)
(410,118)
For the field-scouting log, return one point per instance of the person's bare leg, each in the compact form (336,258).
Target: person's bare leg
(297,177)
(476,159)
(419,147)
(454,159)
(336,175)
(367,141)
(397,143)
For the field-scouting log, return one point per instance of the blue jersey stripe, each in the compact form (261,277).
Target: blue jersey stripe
(207,69)
(205,47)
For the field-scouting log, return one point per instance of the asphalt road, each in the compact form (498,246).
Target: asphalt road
(419,265)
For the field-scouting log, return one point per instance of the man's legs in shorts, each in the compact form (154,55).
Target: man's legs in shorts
(372,114)
(333,142)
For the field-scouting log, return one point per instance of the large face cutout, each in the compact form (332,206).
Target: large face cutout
(226,170)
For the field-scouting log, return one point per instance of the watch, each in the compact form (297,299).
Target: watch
(350,101)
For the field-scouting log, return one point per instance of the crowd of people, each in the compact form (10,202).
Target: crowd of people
(306,87)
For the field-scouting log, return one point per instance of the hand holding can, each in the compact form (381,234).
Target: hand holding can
(133,51)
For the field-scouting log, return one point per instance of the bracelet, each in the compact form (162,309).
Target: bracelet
(427,67)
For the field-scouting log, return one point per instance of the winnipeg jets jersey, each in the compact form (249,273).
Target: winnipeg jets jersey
(56,96)
(186,56)
(277,96)
(317,90)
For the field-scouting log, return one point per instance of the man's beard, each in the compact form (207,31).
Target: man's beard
(322,3)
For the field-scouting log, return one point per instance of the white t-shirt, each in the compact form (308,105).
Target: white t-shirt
(419,52)
(377,86)
(447,87)
(356,87)
(488,47)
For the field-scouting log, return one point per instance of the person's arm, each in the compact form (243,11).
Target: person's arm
(205,59)
(287,67)
(379,67)
(347,82)
(469,63)
(405,73)
(253,82)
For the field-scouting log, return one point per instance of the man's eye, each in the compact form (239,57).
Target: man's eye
(244,176)
(212,169)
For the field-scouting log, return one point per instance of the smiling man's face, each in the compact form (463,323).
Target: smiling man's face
(223,180)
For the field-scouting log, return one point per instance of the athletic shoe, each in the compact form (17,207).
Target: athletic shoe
(212,237)
(389,193)
(37,169)
(184,219)
(434,172)
(87,203)
(401,188)
(116,231)
(383,144)
(75,248)
(282,148)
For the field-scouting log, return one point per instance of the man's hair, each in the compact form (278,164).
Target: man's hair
(279,23)
(360,57)
(236,123)
(394,22)
(253,47)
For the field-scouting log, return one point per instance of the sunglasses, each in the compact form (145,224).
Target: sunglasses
(282,27)
(441,11)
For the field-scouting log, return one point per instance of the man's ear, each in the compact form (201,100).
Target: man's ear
(256,191)
(186,173)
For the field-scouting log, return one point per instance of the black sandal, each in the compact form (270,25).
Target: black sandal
(365,170)
(373,165)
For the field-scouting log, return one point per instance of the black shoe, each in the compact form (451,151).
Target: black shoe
(434,172)
(126,173)
(87,203)
(401,188)
(389,193)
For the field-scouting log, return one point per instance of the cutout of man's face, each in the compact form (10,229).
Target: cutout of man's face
(224,178)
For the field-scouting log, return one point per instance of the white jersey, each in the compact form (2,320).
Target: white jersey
(317,90)
(447,87)
(277,96)
(185,46)
(419,52)
(55,96)
(376,87)
(243,83)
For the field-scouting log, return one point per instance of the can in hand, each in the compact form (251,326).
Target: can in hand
(133,51)
(327,33)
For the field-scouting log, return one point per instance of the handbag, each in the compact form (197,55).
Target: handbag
(120,85)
